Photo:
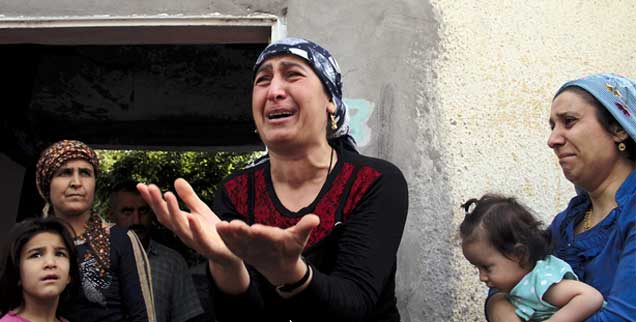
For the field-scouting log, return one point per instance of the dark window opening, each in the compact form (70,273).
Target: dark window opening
(138,97)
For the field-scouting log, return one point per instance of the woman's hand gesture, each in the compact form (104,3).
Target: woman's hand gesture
(273,251)
(196,228)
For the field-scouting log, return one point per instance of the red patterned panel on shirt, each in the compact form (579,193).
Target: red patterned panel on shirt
(266,213)
(264,210)
(364,178)
(328,205)
(236,189)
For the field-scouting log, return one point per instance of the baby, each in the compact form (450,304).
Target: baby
(506,243)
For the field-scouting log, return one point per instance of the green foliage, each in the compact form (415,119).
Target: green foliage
(203,170)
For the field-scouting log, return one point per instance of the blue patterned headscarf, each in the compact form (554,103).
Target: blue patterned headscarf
(327,70)
(616,93)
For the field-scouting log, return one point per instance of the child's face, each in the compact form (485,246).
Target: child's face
(495,269)
(44,267)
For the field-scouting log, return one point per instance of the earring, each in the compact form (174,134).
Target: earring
(45,210)
(334,124)
(621,147)
(256,131)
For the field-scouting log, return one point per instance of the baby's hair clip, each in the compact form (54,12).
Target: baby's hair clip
(469,206)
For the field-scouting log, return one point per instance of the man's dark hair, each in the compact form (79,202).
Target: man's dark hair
(123,186)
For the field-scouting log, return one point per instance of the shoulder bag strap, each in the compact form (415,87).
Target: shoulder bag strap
(143,269)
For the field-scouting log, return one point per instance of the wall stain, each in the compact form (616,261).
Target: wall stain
(359,111)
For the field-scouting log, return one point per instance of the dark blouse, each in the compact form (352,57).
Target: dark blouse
(115,298)
(362,208)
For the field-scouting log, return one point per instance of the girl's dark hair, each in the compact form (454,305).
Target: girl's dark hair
(508,225)
(20,234)
(607,120)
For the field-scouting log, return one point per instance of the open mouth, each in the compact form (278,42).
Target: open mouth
(279,115)
(49,278)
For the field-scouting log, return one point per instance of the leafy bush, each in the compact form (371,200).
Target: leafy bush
(203,170)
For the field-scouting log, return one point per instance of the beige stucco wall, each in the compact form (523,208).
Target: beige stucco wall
(499,64)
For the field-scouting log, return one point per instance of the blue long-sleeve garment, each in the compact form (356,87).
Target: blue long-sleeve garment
(604,256)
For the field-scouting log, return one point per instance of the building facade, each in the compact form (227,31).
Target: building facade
(454,92)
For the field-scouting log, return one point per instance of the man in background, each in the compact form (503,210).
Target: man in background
(175,296)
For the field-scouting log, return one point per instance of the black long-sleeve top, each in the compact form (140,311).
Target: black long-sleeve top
(362,208)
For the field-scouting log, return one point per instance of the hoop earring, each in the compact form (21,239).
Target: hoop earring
(621,147)
(334,124)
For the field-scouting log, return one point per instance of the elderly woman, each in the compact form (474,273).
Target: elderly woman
(311,231)
(112,290)
(593,135)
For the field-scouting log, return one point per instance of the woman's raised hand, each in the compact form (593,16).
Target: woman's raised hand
(196,228)
(273,251)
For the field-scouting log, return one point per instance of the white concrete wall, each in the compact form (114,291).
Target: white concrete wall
(500,63)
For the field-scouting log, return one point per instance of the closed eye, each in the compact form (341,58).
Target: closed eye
(262,80)
(293,73)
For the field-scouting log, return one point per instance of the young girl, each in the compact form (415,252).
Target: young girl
(39,268)
(506,243)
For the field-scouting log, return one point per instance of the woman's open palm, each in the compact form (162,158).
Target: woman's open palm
(271,250)
(196,228)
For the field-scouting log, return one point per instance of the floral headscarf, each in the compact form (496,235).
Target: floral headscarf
(54,157)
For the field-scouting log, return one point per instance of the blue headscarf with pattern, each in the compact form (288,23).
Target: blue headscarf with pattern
(616,93)
(327,70)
